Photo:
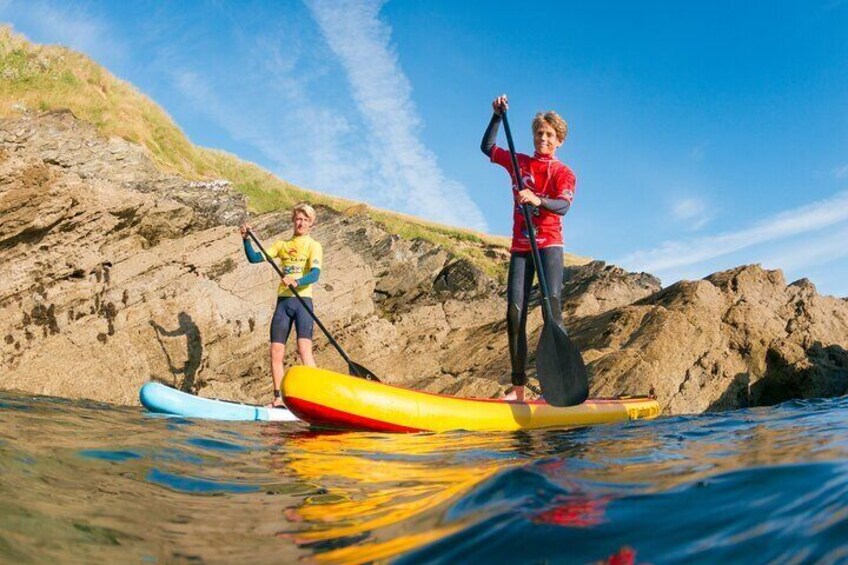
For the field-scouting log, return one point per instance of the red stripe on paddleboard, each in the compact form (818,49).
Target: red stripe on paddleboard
(319,415)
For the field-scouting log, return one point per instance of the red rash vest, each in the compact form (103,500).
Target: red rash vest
(547,177)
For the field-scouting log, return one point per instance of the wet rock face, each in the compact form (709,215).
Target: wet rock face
(115,273)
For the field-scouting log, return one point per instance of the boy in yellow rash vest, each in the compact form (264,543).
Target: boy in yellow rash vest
(300,260)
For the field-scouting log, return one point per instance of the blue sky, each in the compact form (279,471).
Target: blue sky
(704,135)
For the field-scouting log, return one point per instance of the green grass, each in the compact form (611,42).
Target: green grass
(43,78)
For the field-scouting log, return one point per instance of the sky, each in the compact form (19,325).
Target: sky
(704,135)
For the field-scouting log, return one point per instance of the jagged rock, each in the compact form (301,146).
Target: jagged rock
(597,287)
(213,202)
(59,139)
(461,276)
(738,338)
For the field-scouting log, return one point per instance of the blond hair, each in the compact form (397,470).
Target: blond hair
(552,119)
(306,209)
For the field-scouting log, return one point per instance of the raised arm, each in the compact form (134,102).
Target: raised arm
(252,255)
(491,135)
(499,105)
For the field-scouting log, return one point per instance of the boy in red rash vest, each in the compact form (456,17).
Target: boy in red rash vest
(548,190)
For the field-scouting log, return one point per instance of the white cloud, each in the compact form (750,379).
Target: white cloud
(675,257)
(290,106)
(687,208)
(411,178)
(692,211)
(302,141)
(315,146)
(63,24)
(195,87)
(822,258)
(811,251)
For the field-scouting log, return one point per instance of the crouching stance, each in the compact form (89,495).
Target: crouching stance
(300,260)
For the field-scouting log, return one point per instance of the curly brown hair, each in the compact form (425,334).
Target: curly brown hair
(554,120)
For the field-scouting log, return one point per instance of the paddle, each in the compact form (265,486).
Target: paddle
(559,365)
(354,369)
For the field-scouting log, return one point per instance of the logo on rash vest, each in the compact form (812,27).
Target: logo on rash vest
(540,240)
(527,178)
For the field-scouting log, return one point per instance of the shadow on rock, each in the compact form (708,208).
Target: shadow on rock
(821,372)
(185,375)
(790,373)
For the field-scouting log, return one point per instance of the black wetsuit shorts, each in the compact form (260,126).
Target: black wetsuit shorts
(290,312)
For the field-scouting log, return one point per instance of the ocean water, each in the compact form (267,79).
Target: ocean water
(82,482)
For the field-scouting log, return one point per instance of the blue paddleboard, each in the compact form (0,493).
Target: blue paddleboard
(157,397)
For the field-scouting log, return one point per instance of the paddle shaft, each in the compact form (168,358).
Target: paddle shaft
(531,230)
(338,347)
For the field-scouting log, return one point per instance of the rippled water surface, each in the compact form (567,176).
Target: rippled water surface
(88,483)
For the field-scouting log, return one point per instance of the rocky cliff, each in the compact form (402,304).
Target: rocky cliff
(115,273)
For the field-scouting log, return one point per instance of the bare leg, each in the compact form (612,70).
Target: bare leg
(304,349)
(278,353)
(517,393)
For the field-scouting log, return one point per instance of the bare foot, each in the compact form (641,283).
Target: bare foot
(277,403)
(515,393)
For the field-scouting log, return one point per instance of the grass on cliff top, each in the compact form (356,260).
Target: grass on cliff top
(42,78)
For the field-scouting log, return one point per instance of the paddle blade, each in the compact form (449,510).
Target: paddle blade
(357,370)
(560,368)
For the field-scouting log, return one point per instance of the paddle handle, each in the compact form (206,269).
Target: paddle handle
(528,221)
(302,301)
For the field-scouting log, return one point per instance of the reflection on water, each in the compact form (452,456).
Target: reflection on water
(83,482)
(381,485)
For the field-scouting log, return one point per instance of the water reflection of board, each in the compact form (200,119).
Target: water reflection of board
(157,397)
(326,398)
